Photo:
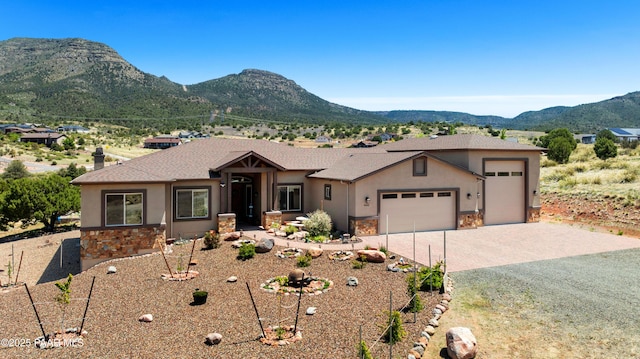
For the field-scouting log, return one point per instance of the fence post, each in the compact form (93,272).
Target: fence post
(390,324)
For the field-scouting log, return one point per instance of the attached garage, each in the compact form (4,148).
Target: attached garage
(504,200)
(429,210)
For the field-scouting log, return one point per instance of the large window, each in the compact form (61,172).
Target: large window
(290,198)
(420,166)
(123,209)
(192,203)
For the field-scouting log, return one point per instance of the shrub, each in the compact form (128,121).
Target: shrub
(384,250)
(605,149)
(211,240)
(318,224)
(283,280)
(415,304)
(359,263)
(246,251)
(304,261)
(430,277)
(290,229)
(363,351)
(394,331)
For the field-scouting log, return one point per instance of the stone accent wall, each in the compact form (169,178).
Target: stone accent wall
(226,223)
(271,217)
(363,226)
(470,220)
(533,215)
(98,245)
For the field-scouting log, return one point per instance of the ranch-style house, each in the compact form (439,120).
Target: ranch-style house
(430,183)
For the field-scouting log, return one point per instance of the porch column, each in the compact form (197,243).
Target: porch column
(276,193)
(227,188)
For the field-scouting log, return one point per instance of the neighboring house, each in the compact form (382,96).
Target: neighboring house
(626,134)
(45,138)
(73,128)
(15,129)
(383,136)
(161,142)
(443,183)
(323,139)
(586,139)
(365,144)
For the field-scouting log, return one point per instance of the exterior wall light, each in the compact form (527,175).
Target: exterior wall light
(367,200)
(468,195)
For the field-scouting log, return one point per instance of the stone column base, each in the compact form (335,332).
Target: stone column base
(226,223)
(470,220)
(271,217)
(366,226)
(533,215)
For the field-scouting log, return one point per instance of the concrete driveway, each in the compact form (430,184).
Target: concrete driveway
(492,246)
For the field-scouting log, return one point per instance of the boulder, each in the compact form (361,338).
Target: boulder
(232,279)
(280,233)
(295,276)
(430,329)
(111,270)
(372,255)
(433,322)
(147,318)
(352,281)
(233,236)
(314,252)
(264,245)
(461,343)
(213,338)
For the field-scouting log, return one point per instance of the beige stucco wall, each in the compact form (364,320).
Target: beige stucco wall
(297,177)
(190,228)
(400,177)
(91,202)
(337,206)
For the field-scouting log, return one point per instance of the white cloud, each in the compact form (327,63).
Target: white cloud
(500,105)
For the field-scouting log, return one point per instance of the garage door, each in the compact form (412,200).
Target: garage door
(430,210)
(504,192)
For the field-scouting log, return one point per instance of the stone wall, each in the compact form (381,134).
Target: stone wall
(271,217)
(469,220)
(533,215)
(99,245)
(363,226)
(226,223)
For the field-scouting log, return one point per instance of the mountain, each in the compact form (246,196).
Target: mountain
(621,111)
(83,79)
(443,116)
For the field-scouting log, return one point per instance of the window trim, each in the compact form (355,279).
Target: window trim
(415,166)
(301,186)
(191,188)
(327,192)
(103,207)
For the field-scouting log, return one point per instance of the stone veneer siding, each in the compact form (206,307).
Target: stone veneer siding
(363,226)
(98,245)
(271,217)
(533,215)
(226,223)
(469,220)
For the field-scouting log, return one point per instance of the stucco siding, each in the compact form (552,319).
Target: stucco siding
(191,228)
(337,206)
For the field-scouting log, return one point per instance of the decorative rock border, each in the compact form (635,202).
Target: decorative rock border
(288,337)
(317,286)
(238,243)
(341,256)
(421,344)
(289,252)
(181,275)
(401,266)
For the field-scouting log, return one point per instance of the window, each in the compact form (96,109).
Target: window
(420,166)
(389,195)
(444,194)
(408,195)
(123,209)
(426,194)
(516,174)
(490,174)
(290,197)
(503,174)
(327,192)
(192,203)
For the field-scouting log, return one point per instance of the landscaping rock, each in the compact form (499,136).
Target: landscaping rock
(238,243)
(393,268)
(426,335)
(213,338)
(441,307)
(372,255)
(314,252)
(264,245)
(232,279)
(147,318)
(461,343)
(434,323)
(111,270)
(415,354)
(419,349)
(352,281)
(233,236)
(430,329)
(447,297)
(311,310)
(281,233)
(436,311)
(295,276)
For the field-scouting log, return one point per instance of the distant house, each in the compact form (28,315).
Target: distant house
(384,137)
(45,138)
(586,138)
(161,142)
(323,139)
(626,134)
(73,128)
(191,135)
(15,129)
(365,144)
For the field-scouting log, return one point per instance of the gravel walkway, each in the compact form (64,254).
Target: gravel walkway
(178,329)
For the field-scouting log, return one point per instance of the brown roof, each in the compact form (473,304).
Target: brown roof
(53,135)
(162,140)
(457,142)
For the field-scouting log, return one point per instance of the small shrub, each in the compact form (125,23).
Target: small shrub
(431,277)
(363,351)
(359,263)
(318,224)
(282,280)
(384,250)
(415,304)
(303,261)
(246,251)
(211,240)
(394,331)
(289,230)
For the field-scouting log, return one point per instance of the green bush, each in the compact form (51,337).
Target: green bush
(359,263)
(304,261)
(363,351)
(397,332)
(211,240)
(289,230)
(415,304)
(430,277)
(318,224)
(246,251)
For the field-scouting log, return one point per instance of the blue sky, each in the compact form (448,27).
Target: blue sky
(478,56)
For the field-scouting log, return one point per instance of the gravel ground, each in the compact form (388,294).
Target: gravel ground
(178,329)
(576,307)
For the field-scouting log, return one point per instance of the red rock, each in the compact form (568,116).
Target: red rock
(372,256)
(461,343)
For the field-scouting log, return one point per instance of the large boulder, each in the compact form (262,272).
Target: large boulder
(264,245)
(233,236)
(372,255)
(314,252)
(461,343)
